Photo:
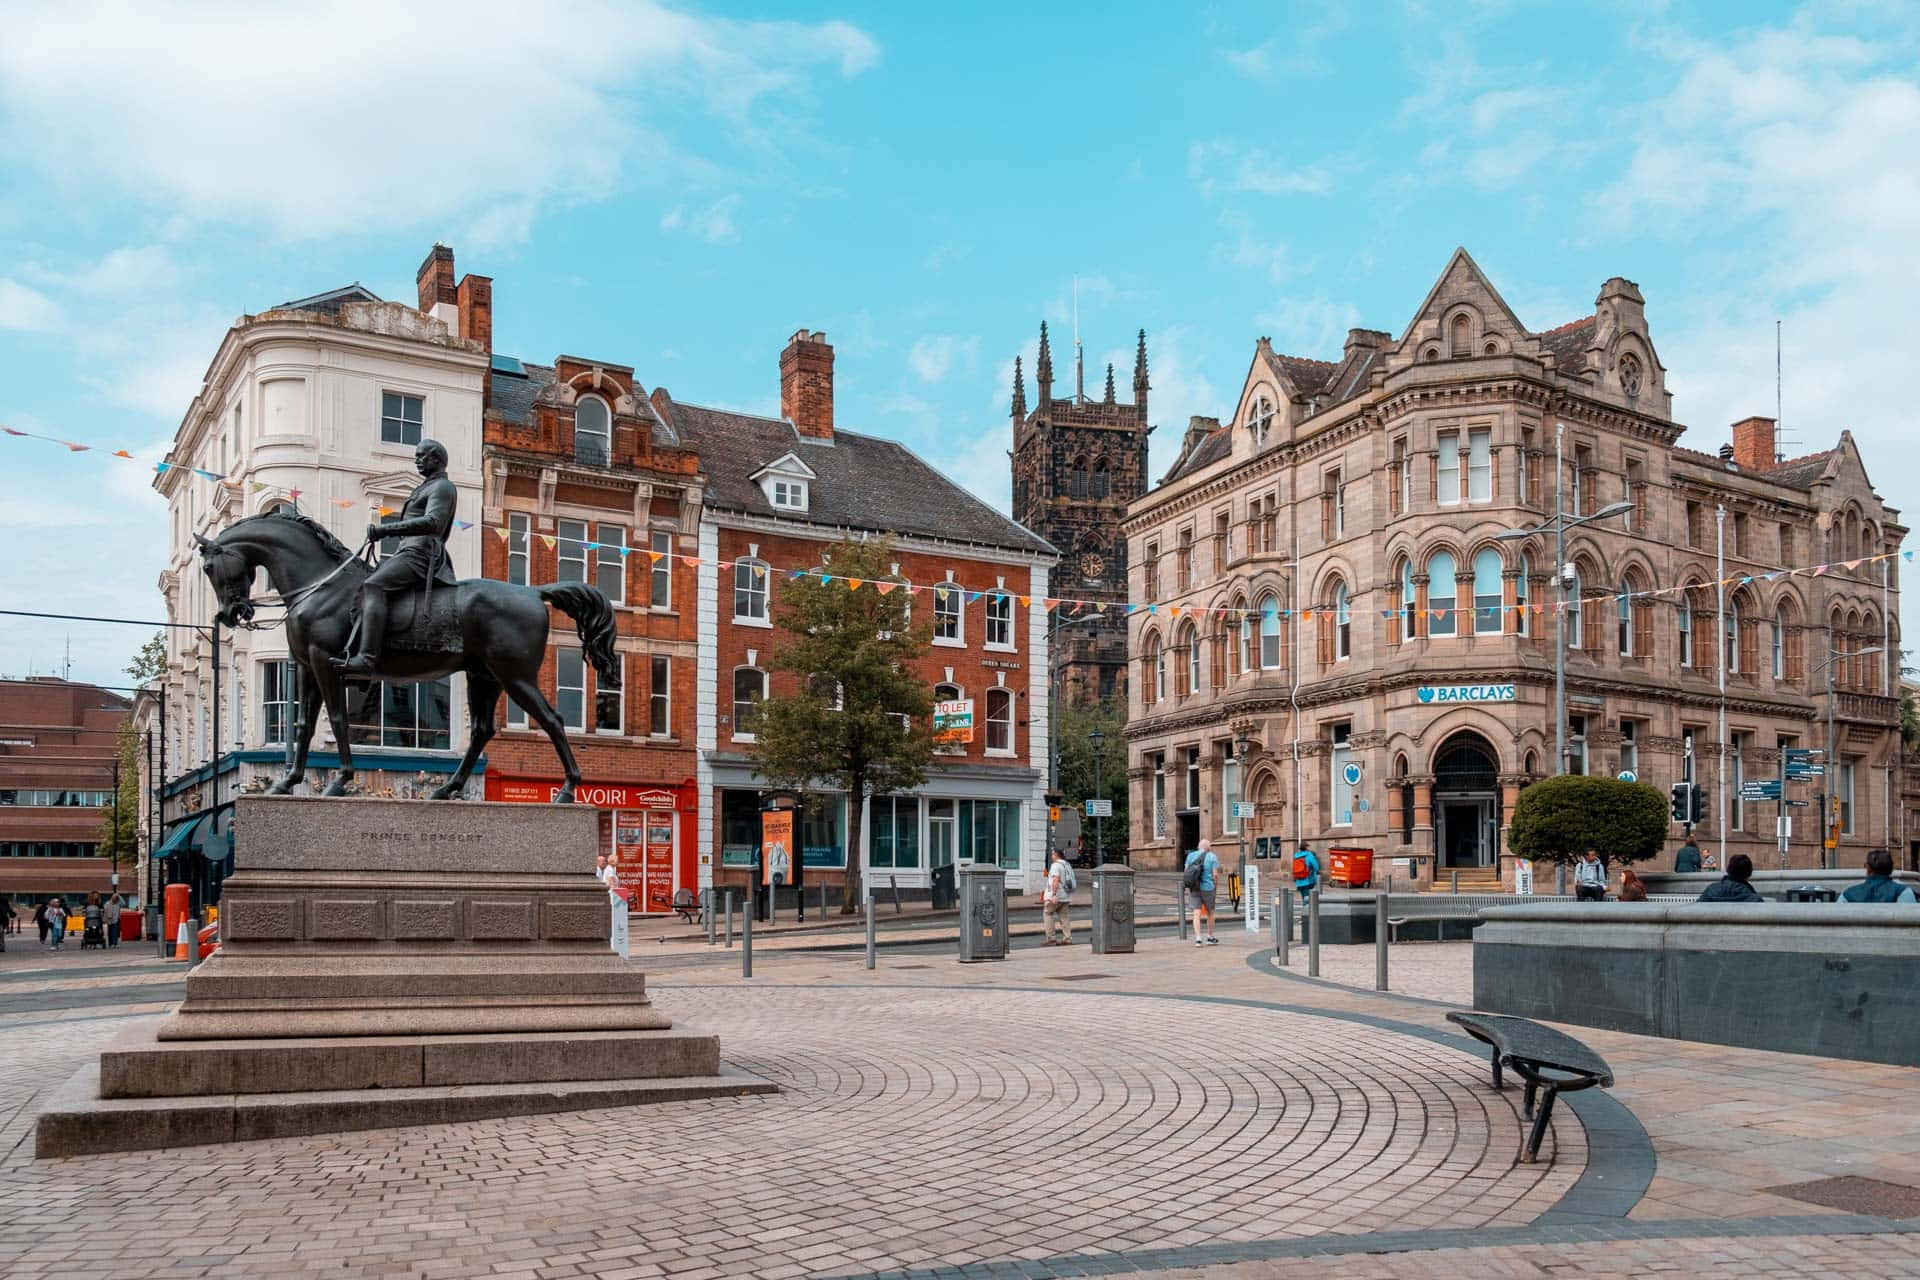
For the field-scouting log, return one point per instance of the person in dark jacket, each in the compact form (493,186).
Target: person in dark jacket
(1688,859)
(1733,886)
(1879,886)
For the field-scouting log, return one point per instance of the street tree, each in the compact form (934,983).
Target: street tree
(120,824)
(853,712)
(150,663)
(1074,733)
(1558,819)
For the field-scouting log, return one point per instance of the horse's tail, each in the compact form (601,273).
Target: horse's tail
(593,616)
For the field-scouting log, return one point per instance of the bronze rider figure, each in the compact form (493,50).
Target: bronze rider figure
(423,526)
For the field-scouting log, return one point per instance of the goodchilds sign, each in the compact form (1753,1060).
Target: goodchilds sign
(1466,693)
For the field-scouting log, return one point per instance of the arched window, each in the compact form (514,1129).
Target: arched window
(749,687)
(1623,613)
(280,506)
(1730,636)
(1242,636)
(1195,680)
(1102,479)
(1077,479)
(1521,626)
(1574,627)
(1777,644)
(1684,623)
(1400,626)
(1487,568)
(999,721)
(592,430)
(1156,671)
(1270,654)
(1260,421)
(1442,594)
(1462,340)
(1342,623)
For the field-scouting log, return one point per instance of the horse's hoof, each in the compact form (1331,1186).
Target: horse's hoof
(284,787)
(338,787)
(563,796)
(449,792)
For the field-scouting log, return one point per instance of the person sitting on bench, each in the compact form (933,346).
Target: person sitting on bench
(1879,886)
(1590,877)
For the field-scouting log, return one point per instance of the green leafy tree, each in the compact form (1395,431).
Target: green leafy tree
(854,713)
(1559,819)
(1909,719)
(150,663)
(120,830)
(1074,731)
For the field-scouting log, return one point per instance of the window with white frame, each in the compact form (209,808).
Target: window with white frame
(789,495)
(1480,465)
(1443,587)
(592,431)
(1159,784)
(660,696)
(519,525)
(610,563)
(1576,620)
(949,613)
(401,416)
(1270,654)
(1576,744)
(947,693)
(999,620)
(1487,570)
(660,577)
(1243,637)
(570,677)
(1777,643)
(279,705)
(1446,468)
(1192,796)
(1196,679)
(749,687)
(749,591)
(1730,635)
(1000,721)
(1685,625)
(609,704)
(1623,615)
(396,713)
(1342,623)
(516,714)
(1686,755)
(571,546)
(1342,793)
(1630,747)
(1736,778)
(1229,789)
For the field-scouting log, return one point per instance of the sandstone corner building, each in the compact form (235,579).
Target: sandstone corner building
(1340,636)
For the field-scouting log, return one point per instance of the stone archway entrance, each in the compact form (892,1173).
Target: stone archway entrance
(1466,802)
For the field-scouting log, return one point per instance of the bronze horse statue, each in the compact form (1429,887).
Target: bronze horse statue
(495,632)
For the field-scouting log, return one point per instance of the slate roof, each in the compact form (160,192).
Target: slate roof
(1569,343)
(513,399)
(865,482)
(328,303)
(1214,446)
(1308,375)
(1800,473)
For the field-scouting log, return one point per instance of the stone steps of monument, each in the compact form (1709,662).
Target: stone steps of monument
(76,1120)
(138,1066)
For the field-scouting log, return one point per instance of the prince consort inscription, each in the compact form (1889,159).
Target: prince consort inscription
(301,833)
(421,837)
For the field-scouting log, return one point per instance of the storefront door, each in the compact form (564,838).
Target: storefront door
(940,833)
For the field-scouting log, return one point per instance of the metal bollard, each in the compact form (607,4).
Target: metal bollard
(1313,933)
(707,910)
(823,903)
(729,919)
(1380,942)
(1282,906)
(869,905)
(1180,909)
(1454,876)
(746,945)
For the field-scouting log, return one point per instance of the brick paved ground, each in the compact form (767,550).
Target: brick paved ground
(1187,1100)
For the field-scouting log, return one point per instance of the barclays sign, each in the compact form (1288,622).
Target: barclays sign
(1450,693)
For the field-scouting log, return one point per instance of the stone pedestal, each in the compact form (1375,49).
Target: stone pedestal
(390,962)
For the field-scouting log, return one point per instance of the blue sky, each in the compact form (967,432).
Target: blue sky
(679,189)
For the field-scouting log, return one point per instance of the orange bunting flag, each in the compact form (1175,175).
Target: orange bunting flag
(77,448)
(1025,601)
(884,587)
(655,556)
(693,562)
(1306,615)
(342,503)
(384,511)
(122,453)
(1174,610)
(1049,602)
(853,584)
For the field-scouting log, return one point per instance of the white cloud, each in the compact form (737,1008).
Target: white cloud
(127,270)
(1314,327)
(1226,167)
(1248,249)
(367,116)
(25,309)
(712,223)
(933,356)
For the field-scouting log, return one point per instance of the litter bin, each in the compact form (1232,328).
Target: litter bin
(1112,909)
(1350,867)
(1812,893)
(941,888)
(983,912)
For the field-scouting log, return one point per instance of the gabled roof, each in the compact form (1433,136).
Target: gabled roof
(864,482)
(329,303)
(513,396)
(1800,473)
(1569,342)
(1463,261)
(1212,447)
(788,463)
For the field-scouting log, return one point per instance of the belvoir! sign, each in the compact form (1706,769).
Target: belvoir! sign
(1437,693)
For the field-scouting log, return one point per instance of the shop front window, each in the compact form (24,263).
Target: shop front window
(894,831)
(990,832)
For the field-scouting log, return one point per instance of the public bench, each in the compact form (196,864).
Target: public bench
(1551,1063)
(686,905)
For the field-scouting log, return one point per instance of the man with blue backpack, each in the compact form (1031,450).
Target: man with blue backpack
(1198,881)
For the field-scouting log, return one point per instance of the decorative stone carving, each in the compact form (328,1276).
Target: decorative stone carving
(343,918)
(504,919)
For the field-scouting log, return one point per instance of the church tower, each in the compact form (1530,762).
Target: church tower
(1077,463)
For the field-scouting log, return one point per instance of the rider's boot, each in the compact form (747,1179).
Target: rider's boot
(373,628)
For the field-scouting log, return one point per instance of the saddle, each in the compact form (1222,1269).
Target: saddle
(410,629)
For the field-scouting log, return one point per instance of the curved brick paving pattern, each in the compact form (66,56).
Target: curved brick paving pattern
(918,1128)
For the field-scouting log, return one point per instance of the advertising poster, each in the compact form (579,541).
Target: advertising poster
(953,722)
(628,862)
(659,827)
(776,846)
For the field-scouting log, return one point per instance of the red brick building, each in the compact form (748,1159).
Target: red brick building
(584,481)
(777,492)
(57,744)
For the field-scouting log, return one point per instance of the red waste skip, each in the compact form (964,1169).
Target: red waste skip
(1352,868)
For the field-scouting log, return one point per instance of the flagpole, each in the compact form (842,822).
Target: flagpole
(1720,594)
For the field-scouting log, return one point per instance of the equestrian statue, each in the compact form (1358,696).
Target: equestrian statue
(408,619)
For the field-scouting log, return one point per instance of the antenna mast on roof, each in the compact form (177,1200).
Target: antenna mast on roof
(1079,370)
(1780,450)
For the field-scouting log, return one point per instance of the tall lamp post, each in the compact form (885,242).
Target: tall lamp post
(1558,526)
(1831,795)
(1099,740)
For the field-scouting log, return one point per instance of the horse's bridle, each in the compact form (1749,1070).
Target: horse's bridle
(287,602)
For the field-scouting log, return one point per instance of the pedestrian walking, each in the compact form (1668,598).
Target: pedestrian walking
(40,919)
(1687,861)
(1306,872)
(603,870)
(1879,886)
(1198,879)
(1590,878)
(1058,900)
(56,924)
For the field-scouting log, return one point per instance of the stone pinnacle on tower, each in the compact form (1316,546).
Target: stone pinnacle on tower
(1109,382)
(1140,385)
(1043,369)
(1019,392)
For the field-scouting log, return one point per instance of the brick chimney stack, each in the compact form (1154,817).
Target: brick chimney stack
(806,384)
(475,301)
(1753,444)
(435,279)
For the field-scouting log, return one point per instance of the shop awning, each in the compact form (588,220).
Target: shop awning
(181,839)
(215,838)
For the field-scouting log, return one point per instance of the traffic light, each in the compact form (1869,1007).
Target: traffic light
(1680,799)
(1696,803)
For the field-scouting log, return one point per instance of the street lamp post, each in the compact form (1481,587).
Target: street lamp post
(1558,526)
(1098,739)
(1831,795)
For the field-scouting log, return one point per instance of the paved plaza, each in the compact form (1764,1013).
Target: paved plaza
(1181,1110)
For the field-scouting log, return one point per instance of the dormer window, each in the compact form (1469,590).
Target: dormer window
(785,482)
(789,495)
